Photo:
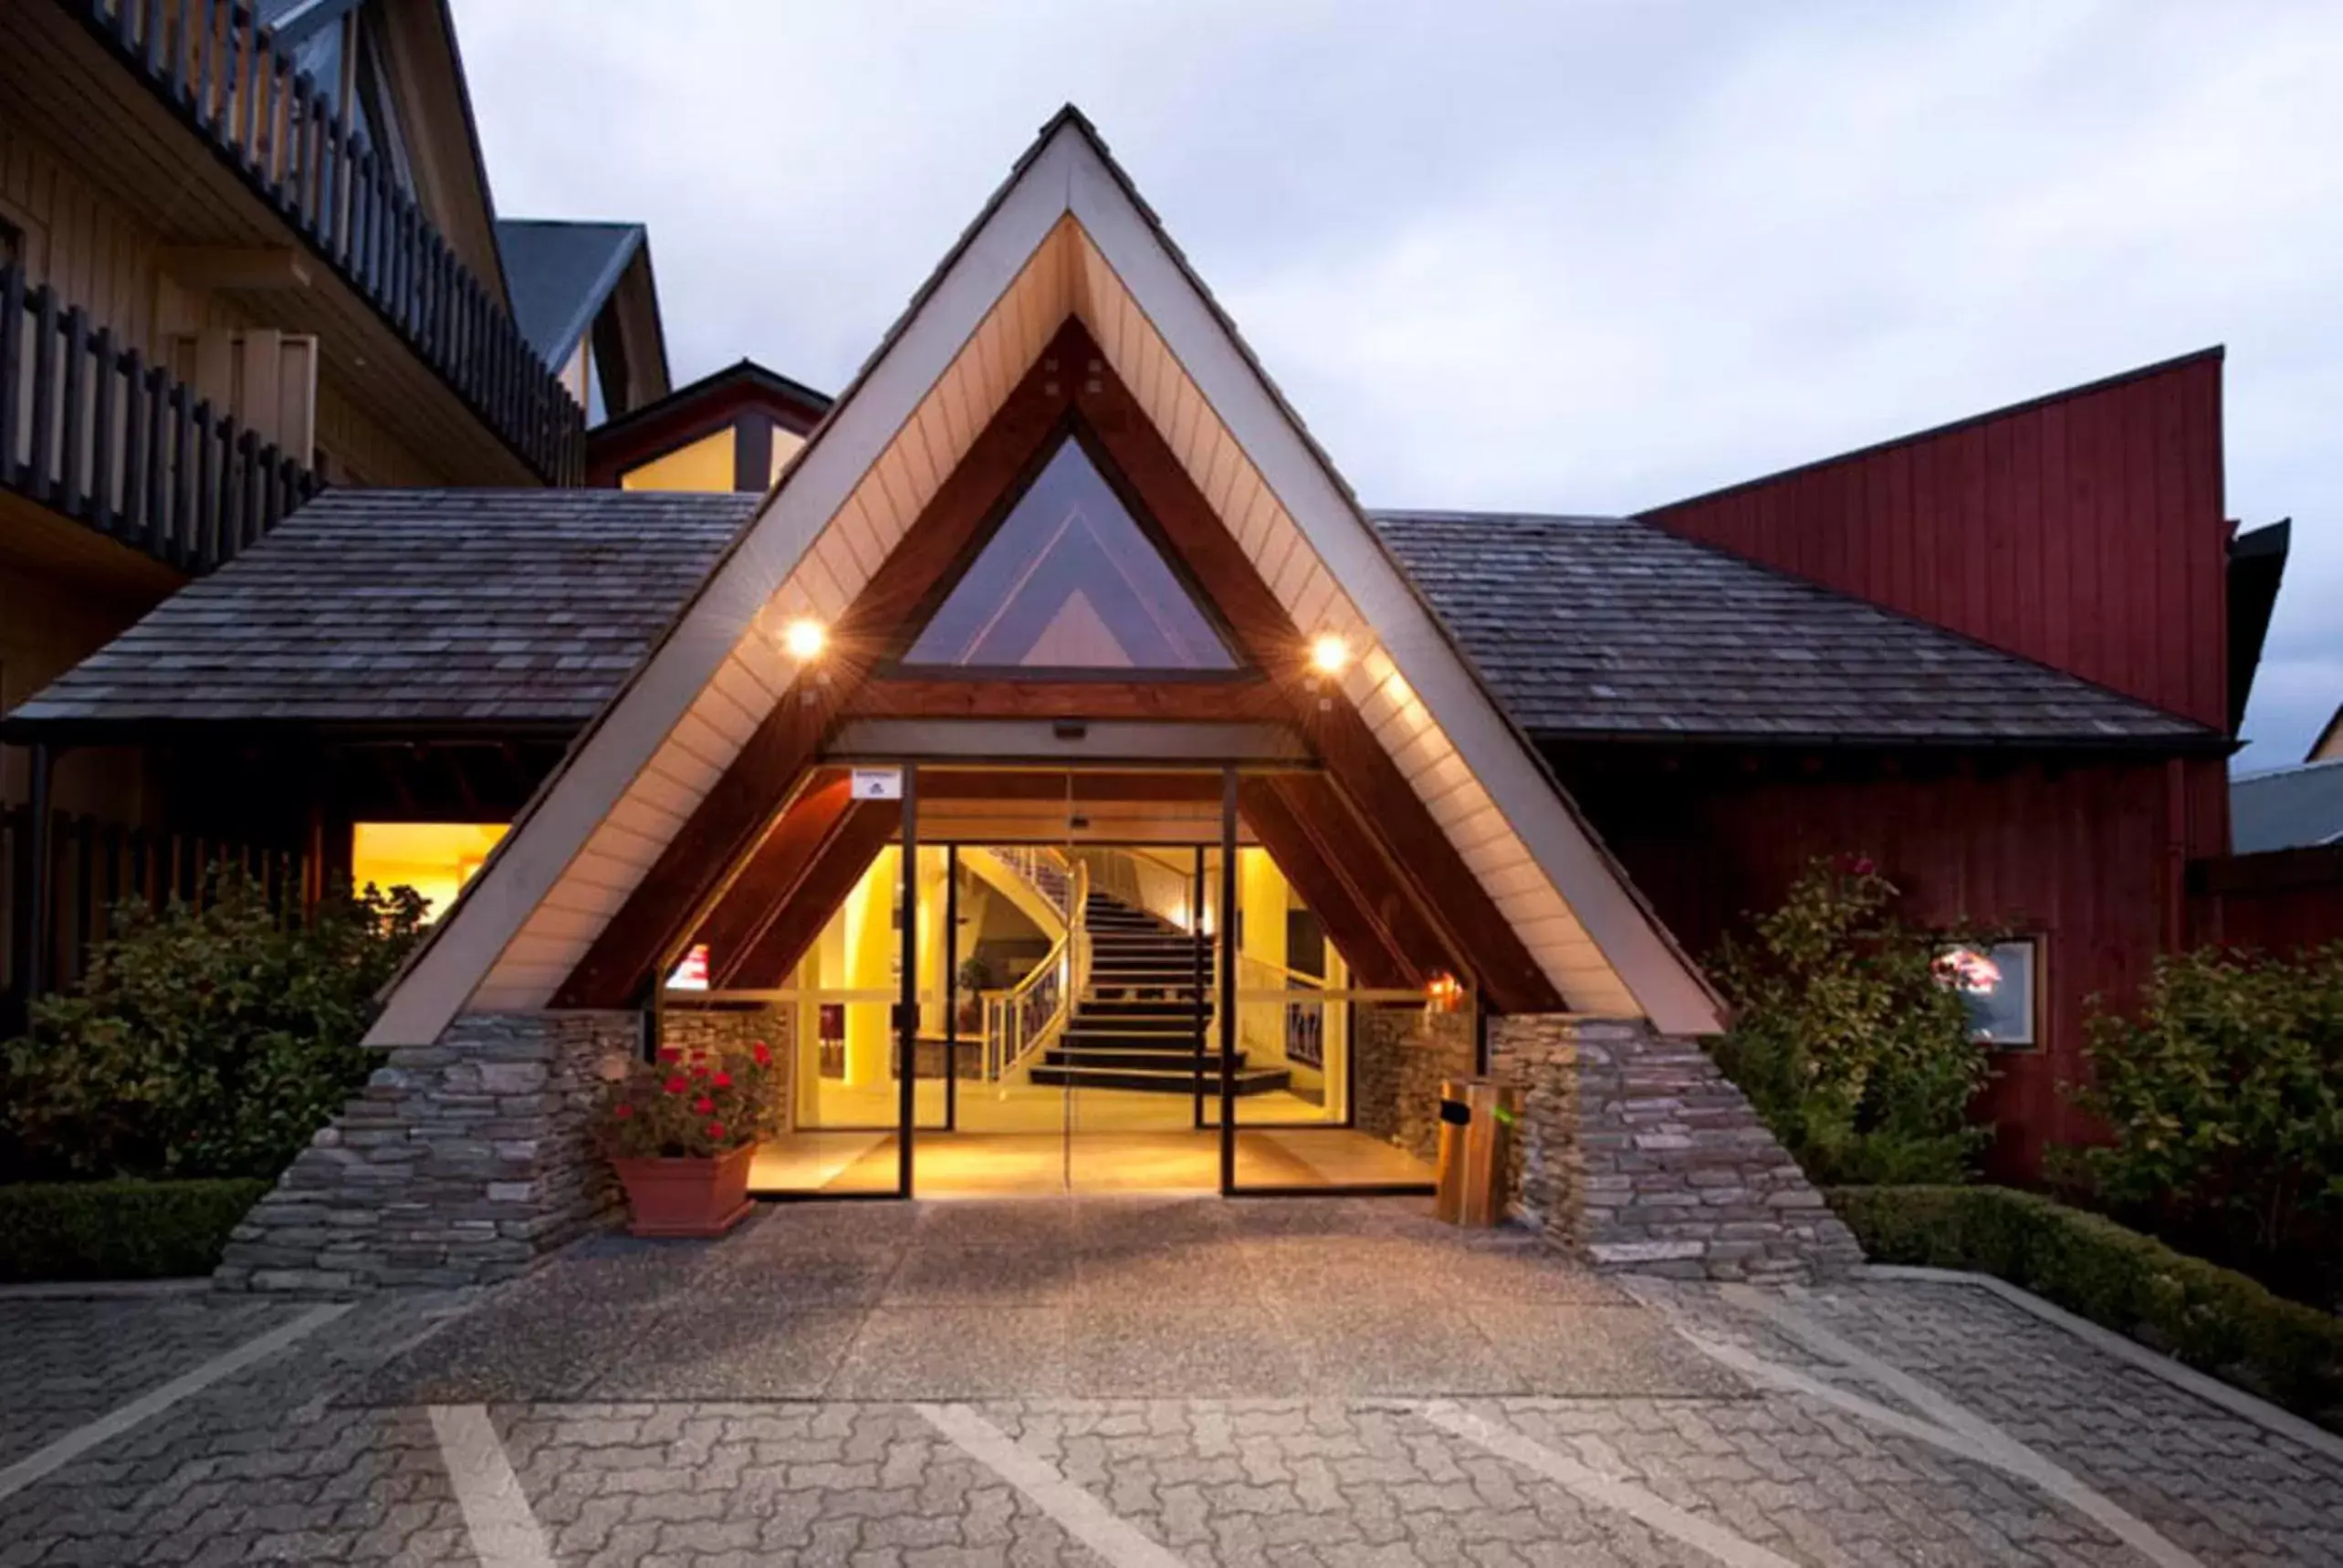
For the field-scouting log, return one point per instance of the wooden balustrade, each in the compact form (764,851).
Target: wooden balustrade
(215,66)
(94,868)
(95,433)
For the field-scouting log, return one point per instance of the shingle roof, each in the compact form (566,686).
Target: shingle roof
(432,607)
(559,273)
(386,608)
(1586,627)
(2287,808)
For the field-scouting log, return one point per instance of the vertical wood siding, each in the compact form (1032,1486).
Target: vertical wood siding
(2074,856)
(2085,531)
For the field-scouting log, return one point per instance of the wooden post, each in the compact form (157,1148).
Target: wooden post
(1227,937)
(907,1005)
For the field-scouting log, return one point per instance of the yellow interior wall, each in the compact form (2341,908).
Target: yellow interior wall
(706,464)
(435,859)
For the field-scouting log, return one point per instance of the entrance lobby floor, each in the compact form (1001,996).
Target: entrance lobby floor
(1094,1297)
(1046,1164)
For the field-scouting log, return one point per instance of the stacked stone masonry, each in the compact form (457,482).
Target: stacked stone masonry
(1638,1154)
(1400,1056)
(463,1163)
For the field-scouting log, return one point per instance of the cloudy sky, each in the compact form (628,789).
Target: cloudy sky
(1590,256)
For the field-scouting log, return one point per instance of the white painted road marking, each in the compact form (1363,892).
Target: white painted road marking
(122,1418)
(1078,1513)
(505,1532)
(1606,1492)
(1970,1433)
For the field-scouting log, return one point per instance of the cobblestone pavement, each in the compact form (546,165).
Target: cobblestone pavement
(1878,1422)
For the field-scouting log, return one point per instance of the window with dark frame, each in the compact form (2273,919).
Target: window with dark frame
(1998,984)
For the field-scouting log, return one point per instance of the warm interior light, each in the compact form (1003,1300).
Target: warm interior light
(1329,653)
(1443,993)
(804,639)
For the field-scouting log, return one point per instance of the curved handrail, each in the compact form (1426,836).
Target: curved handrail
(1029,1015)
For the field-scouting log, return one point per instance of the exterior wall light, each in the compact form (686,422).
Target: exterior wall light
(1443,994)
(1329,653)
(804,639)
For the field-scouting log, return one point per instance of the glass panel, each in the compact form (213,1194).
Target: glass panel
(1996,989)
(1070,581)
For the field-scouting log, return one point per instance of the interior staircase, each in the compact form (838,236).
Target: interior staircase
(1137,1025)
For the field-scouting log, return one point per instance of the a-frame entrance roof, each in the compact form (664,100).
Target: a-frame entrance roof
(1065,241)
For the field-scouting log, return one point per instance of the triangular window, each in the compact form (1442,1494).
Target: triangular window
(1070,581)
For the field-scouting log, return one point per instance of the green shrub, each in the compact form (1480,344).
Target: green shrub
(2222,1098)
(1844,1037)
(118,1230)
(2213,1318)
(207,1040)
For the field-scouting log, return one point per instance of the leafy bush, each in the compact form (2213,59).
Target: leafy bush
(2209,1317)
(207,1041)
(2222,1098)
(118,1230)
(1845,1037)
(692,1101)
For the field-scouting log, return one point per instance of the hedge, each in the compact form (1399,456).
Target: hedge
(2214,1318)
(118,1230)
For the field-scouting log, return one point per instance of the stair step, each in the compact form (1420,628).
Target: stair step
(1252,1080)
(1136,1060)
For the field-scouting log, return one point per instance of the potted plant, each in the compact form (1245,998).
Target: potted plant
(682,1131)
(976,978)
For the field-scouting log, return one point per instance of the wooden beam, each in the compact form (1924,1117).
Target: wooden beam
(834,870)
(1356,934)
(902,697)
(1375,881)
(772,874)
(619,967)
(1353,759)
(251,267)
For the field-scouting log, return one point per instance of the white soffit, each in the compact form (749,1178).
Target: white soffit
(1064,237)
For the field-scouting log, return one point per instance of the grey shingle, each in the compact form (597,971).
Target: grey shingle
(396,607)
(1586,627)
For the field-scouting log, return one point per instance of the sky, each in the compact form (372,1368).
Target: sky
(1576,257)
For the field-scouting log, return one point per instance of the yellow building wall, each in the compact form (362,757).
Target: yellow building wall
(435,859)
(706,464)
(787,444)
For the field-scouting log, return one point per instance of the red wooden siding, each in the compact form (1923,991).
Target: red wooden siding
(2083,857)
(2086,530)
(2277,901)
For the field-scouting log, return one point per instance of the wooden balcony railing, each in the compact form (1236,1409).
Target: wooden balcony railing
(213,64)
(95,433)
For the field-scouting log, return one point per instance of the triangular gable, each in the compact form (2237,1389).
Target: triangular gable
(1064,237)
(1069,580)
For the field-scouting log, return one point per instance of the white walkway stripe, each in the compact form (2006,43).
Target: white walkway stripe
(1606,1492)
(505,1533)
(1994,1445)
(122,1418)
(1078,1513)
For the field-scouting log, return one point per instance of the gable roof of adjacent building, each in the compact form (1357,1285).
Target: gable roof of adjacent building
(2287,808)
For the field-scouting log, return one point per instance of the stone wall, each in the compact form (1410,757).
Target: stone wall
(462,1163)
(1398,1057)
(1638,1154)
(735,1029)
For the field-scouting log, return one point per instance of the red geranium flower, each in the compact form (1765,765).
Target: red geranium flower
(669,1053)
(700,1070)
(716,1130)
(722,1079)
(624,1110)
(764,1057)
(677,1086)
(703,1105)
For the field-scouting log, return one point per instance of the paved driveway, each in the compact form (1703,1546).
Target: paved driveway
(1127,1382)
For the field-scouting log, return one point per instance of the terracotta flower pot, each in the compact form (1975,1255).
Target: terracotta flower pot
(686,1197)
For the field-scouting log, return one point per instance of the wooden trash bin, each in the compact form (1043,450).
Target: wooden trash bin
(1476,1124)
